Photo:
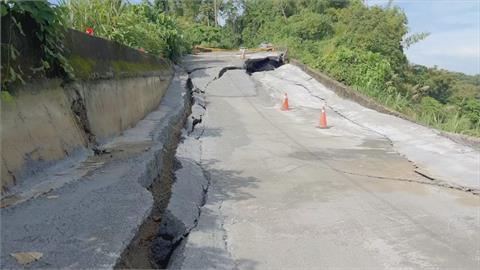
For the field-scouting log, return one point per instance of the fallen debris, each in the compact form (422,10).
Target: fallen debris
(27,257)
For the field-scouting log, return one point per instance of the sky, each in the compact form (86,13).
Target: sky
(454,27)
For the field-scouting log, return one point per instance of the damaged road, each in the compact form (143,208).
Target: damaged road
(219,177)
(273,191)
(90,221)
(174,215)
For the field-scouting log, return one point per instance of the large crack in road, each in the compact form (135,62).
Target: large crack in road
(138,254)
(189,189)
(213,202)
(171,218)
(273,202)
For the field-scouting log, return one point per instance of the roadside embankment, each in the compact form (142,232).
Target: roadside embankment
(346,92)
(49,118)
(442,161)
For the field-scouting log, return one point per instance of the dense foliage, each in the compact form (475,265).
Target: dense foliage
(359,45)
(362,46)
(137,26)
(48,31)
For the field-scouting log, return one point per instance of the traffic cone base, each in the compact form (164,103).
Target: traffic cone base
(323,119)
(285,106)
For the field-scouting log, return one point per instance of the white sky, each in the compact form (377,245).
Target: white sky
(454,27)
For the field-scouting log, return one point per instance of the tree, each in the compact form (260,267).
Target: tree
(440,85)
(374,29)
(414,38)
(309,25)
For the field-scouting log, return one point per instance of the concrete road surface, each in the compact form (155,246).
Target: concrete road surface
(284,194)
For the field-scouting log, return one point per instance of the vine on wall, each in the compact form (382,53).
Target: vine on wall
(49,32)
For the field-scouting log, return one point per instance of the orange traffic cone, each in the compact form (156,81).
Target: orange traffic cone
(323,119)
(285,103)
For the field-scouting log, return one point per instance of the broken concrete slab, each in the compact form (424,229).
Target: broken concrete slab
(187,193)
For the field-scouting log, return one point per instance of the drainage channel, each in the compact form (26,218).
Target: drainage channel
(168,224)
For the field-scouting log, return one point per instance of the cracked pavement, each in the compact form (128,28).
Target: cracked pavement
(284,194)
(89,220)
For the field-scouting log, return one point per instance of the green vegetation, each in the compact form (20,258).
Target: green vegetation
(137,26)
(198,21)
(134,68)
(6,97)
(364,48)
(82,67)
(48,31)
(359,45)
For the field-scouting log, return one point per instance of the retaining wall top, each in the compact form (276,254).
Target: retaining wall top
(91,57)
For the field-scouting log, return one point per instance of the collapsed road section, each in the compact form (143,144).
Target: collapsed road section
(264,63)
(224,189)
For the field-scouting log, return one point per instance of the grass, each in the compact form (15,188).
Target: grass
(6,97)
(443,117)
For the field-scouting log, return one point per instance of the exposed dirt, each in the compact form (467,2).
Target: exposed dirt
(263,64)
(80,111)
(149,248)
(138,255)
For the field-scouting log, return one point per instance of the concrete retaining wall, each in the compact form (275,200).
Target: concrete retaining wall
(37,127)
(115,105)
(50,118)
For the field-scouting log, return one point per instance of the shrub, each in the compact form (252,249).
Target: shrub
(366,70)
(131,25)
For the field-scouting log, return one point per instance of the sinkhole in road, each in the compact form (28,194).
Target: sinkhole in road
(256,65)
(263,64)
